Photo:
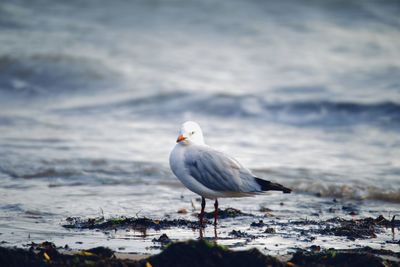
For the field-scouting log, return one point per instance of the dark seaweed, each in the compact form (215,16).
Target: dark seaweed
(195,253)
(123,222)
(241,234)
(202,253)
(227,213)
(352,257)
(144,223)
(47,254)
(352,229)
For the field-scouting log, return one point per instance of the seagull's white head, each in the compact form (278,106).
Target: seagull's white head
(190,132)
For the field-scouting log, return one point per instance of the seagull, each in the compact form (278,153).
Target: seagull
(213,174)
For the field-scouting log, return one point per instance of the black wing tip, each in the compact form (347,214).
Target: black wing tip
(269,186)
(287,190)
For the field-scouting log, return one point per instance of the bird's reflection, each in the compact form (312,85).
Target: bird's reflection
(393,223)
(201,230)
(202,233)
(393,234)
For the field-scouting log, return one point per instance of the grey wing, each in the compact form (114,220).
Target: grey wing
(218,171)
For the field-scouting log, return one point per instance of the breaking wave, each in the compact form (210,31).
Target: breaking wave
(325,113)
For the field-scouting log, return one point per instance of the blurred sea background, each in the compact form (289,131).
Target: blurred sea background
(92,95)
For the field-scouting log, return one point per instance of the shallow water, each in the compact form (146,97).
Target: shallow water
(92,95)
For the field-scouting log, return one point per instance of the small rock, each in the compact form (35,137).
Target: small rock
(163,239)
(227,213)
(101,252)
(260,223)
(264,209)
(183,211)
(241,234)
(315,248)
(269,230)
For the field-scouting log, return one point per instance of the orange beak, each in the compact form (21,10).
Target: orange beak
(180,138)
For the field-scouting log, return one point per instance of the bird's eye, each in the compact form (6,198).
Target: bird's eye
(192,132)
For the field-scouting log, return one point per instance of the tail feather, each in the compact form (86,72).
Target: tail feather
(269,186)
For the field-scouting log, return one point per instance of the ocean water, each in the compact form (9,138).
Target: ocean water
(92,94)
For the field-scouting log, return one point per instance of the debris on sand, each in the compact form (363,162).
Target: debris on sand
(124,222)
(144,223)
(351,257)
(358,229)
(241,234)
(227,213)
(352,229)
